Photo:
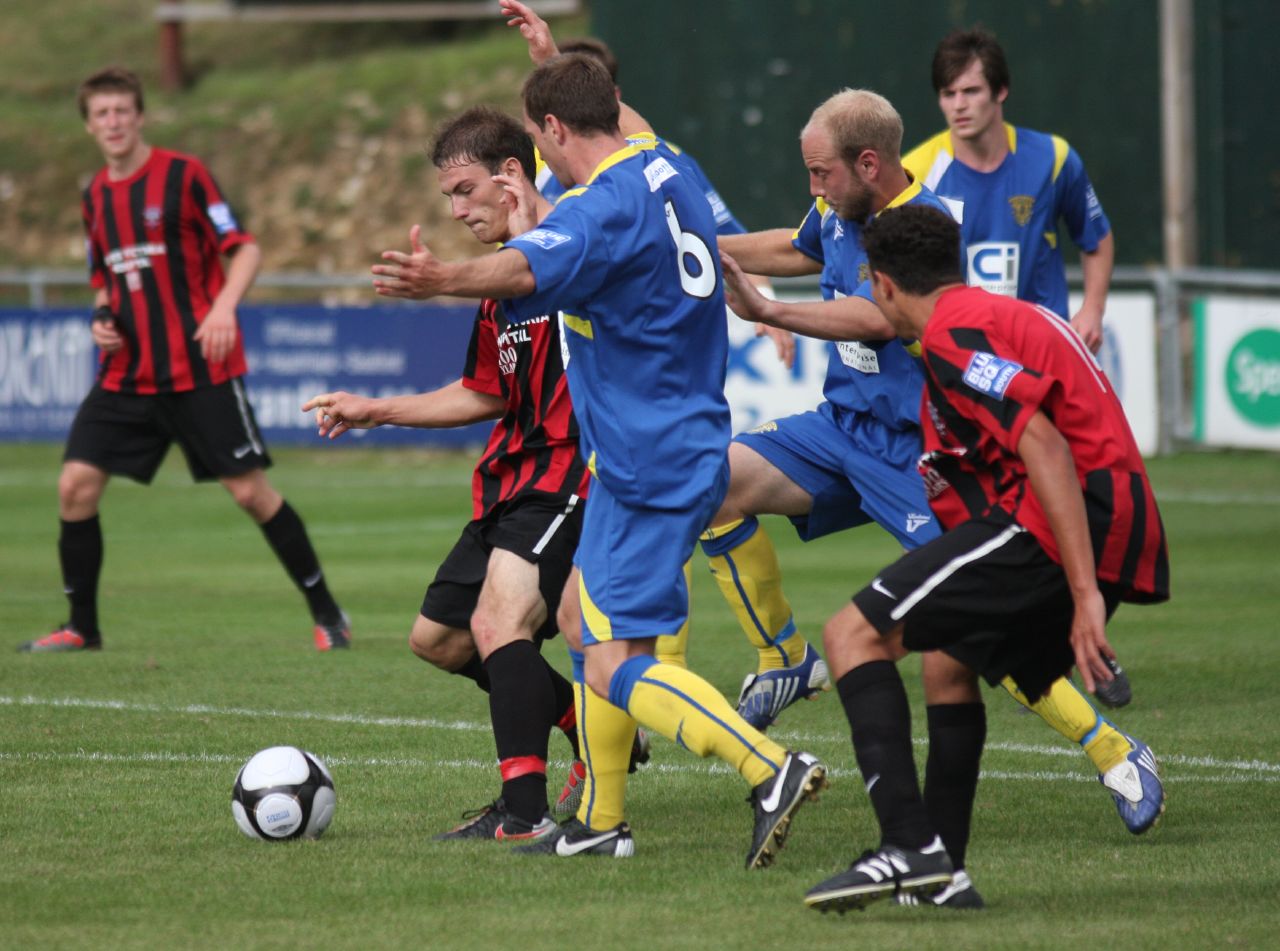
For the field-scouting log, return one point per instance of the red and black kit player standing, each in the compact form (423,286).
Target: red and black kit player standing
(172,358)
(1050,522)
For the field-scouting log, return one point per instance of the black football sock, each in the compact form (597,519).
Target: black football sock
(288,539)
(566,715)
(473,669)
(875,703)
(522,708)
(957,732)
(80,552)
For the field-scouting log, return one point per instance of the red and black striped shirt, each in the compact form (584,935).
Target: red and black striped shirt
(154,241)
(991,363)
(534,446)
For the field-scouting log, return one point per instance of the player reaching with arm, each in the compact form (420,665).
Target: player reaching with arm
(172,362)
(648,346)
(1051,523)
(542,46)
(1015,185)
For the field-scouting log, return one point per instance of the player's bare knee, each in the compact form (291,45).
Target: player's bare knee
(947,681)
(492,632)
(80,488)
(253,493)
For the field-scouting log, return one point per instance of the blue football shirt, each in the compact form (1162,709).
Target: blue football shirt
(1009,217)
(726,222)
(630,261)
(877,378)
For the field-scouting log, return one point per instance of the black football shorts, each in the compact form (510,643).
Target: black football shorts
(129,434)
(541,529)
(987,594)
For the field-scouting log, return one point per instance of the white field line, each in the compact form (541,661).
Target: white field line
(419,765)
(1247,769)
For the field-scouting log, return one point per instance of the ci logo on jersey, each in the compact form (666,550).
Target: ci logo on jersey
(152,215)
(1021,206)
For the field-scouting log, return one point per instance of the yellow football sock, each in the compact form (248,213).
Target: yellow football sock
(687,710)
(745,566)
(1069,712)
(672,648)
(604,734)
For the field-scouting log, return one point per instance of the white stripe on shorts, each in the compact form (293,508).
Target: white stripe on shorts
(556,523)
(242,404)
(951,567)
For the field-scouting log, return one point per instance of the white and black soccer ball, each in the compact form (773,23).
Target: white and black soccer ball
(283,793)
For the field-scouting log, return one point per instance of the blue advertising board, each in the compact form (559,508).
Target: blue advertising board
(48,360)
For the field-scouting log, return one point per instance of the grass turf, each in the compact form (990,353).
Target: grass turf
(116,767)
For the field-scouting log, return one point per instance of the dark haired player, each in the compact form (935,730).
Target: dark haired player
(1050,523)
(1010,187)
(494,599)
(172,358)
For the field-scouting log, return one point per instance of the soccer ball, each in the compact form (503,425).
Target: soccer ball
(283,793)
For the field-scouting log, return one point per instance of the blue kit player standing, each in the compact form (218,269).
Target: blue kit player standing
(628,259)
(1009,187)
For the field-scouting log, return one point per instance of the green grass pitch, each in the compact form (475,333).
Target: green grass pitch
(116,768)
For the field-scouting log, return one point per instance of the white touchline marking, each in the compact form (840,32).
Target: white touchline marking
(1260,768)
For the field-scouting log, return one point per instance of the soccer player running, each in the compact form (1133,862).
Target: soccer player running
(494,598)
(1051,523)
(628,259)
(1011,187)
(853,460)
(172,358)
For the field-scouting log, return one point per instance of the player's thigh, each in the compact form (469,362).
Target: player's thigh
(510,606)
(216,430)
(533,540)
(757,486)
(569,612)
(440,644)
(947,680)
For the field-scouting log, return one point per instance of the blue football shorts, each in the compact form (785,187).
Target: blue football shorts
(632,561)
(857,473)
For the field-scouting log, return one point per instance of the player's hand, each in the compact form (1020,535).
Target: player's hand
(521,200)
(106,333)
(418,275)
(1088,325)
(533,28)
(340,411)
(217,333)
(740,294)
(1089,639)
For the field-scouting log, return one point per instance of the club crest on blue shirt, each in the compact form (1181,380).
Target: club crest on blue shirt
(990,375)
(544,238)
(1022,206)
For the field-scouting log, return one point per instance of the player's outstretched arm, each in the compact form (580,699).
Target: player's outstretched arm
(420,275)
(445,408)
(1096,266)
(1052,473)
(532,27)
(848,318)
(770,253)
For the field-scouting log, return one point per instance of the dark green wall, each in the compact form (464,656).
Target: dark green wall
(733,82)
